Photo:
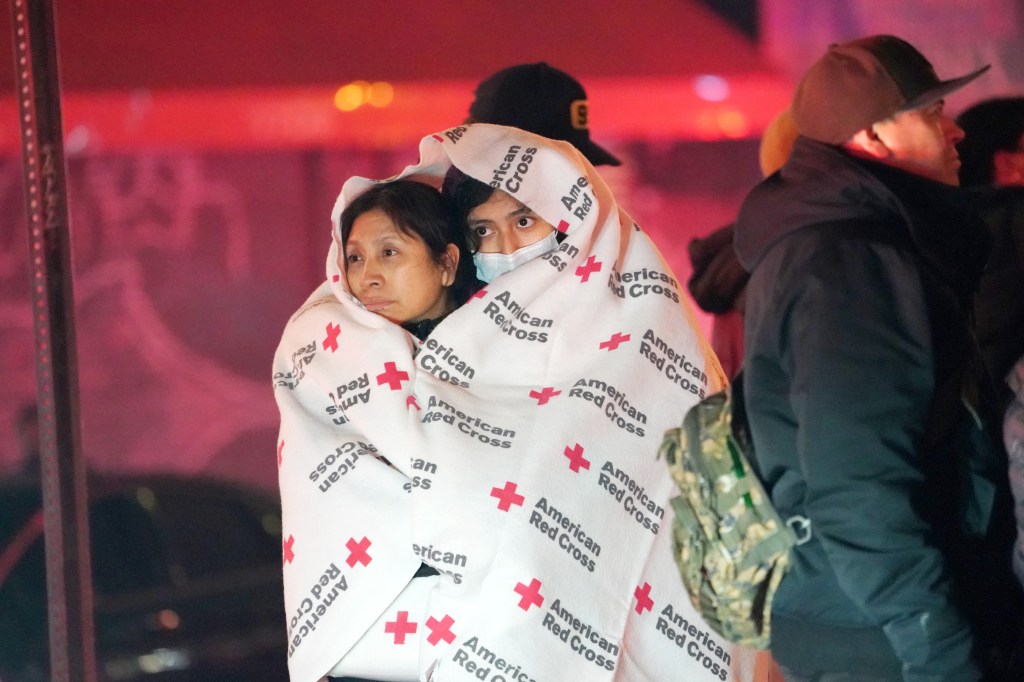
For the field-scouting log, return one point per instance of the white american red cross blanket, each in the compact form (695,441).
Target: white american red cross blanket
(514,450)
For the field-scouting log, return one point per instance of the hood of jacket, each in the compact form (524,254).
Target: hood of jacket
(824,184)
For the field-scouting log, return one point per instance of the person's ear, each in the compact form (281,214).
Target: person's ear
(868,142)
(449,265)
(1007,168)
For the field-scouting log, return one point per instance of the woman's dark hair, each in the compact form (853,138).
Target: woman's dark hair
(463,194)
(420,211)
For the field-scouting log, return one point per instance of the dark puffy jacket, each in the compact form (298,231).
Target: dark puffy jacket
(1000,300)
(858,354)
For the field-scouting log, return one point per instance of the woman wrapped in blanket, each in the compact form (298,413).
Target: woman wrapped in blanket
(404,260)
(513,450)
(400,264)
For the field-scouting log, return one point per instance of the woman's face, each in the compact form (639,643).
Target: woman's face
(393,273)
(502,224)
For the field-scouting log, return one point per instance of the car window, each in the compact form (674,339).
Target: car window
(126,552)
(213,535)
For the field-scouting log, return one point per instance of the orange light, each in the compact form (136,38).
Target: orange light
(733,123)
(352,96)
(380,94)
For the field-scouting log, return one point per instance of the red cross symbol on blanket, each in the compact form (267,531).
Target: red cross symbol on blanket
(286,549)
(562,226)
(280,454)
(544,395)
(591,266)
(392,376)
(400,627)
(613,343)
(357,552)
(507,496)
(576,458)
(411,402)
(331,341)
(440,629)
(479,294)
(530,594)
(643,598)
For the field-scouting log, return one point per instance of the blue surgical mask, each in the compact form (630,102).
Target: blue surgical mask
(491,265)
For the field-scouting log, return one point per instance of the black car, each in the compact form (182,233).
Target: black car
(186,575)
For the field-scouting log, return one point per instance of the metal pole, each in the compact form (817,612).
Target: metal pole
(65,516)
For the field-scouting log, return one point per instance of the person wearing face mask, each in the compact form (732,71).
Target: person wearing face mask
(540,99)
(503,233)
(513,450)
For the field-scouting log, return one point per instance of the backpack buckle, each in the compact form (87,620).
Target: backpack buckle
(801,527)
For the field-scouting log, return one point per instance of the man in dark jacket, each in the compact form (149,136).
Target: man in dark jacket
(863,386)
(993,168)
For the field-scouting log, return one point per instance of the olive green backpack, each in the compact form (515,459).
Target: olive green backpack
(730,544)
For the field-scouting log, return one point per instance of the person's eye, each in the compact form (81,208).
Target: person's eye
(389,252)
(525,222)
(482,231)
(353,258)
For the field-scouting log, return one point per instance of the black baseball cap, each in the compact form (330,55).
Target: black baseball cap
(540,99)
(862,82)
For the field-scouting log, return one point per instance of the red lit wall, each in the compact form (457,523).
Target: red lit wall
(188,264)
